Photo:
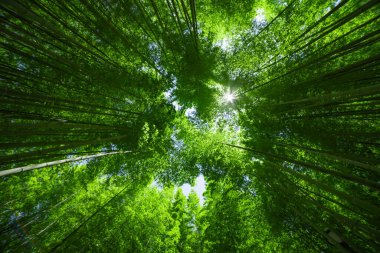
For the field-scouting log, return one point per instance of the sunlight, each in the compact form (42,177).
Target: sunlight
(229,97)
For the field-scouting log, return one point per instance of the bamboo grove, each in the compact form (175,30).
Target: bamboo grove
(96,129)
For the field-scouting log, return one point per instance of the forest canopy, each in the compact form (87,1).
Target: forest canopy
(108,107)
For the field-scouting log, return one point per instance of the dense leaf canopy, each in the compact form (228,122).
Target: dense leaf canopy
(108,107)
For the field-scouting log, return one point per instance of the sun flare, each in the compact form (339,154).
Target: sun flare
(229,97)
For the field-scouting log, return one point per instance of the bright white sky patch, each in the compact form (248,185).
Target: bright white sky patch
(177,143)
(224,44)
(156,184)
(168,94)
(199,188)
(337,2)
(254,159)
(176,105)
(191,112)
(260,17)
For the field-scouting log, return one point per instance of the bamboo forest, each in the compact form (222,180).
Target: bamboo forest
(190,126)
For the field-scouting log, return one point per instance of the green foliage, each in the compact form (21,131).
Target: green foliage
(132,91)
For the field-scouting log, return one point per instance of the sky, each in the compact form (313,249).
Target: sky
(199,188)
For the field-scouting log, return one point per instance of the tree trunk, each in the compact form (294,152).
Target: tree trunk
(47,164)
